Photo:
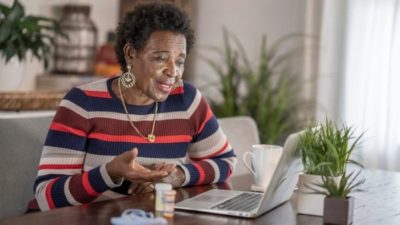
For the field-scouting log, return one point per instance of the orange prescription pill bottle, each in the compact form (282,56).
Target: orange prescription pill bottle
(165,200)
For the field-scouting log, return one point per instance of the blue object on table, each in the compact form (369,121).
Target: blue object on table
(137,217)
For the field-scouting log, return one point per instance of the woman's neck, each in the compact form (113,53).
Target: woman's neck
(132,96)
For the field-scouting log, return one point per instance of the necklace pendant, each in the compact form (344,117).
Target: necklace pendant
(151,137)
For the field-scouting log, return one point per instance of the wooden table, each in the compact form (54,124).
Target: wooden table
(379,204)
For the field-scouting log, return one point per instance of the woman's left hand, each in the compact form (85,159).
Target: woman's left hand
(176,178)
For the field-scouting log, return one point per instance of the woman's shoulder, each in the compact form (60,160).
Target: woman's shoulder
(188,87)
(97,88)
(97,85)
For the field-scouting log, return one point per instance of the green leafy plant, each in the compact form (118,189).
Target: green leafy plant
(341,188)
(20,33)
(326,149)
(269,92)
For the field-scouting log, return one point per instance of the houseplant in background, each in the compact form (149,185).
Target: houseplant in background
(22,35)
(269,93)
(325,151)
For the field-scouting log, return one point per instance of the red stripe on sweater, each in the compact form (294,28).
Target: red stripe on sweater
(202,174)
(213,154)
(64,128)
(208,117)
(86,184)
(177,90)
(98,94)
(209,170)
(139,139)
(60,166)
(49,198)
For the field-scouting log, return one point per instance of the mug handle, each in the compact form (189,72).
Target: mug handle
(244,157)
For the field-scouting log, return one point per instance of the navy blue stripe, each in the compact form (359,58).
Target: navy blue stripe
(223,169)
(77,96)
(170,150)
(65,140)
(40,179)
(58,194)
(194,174)
(225,155)
(209,128)
(96,180)
(174,103)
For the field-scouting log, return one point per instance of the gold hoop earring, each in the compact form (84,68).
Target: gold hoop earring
(127,79)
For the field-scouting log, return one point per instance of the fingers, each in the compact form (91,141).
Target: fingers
(141,188)
(168,167)
(146,176)
(130,155)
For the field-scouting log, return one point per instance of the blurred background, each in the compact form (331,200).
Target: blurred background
(284,62)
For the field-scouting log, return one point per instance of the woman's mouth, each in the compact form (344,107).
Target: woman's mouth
(165,86)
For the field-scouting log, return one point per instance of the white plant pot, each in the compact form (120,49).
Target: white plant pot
(11,74)
(308,202)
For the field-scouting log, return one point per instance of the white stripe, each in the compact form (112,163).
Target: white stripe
(208,146)
(68,194)
(216,170)
(107,179)
(148,117)
(40,195)
(75,108)
(93,160)
(60,161)
(49,151)
(98,85)
(187,176)
(149,161)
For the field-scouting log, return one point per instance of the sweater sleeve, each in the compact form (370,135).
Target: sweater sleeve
(61,179)
(212,157)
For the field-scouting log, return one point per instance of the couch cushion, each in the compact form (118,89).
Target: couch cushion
(21,139)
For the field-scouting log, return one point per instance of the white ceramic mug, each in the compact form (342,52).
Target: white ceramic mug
(264,159)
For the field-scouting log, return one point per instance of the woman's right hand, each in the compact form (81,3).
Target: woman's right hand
(125,166)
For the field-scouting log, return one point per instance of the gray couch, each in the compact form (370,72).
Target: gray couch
(21,139)
(22,136)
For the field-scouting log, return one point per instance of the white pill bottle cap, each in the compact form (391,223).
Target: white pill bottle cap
(163,187)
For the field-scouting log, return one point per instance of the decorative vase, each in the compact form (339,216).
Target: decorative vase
(77,54)
(11,74)
(338,211)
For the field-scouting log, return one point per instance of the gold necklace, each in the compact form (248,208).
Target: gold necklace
(150,137)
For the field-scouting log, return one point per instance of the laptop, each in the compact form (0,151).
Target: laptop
(253,204)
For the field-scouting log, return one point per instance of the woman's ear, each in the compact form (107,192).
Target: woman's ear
(129,53)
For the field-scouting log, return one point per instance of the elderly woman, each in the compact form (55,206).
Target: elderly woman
(118,135)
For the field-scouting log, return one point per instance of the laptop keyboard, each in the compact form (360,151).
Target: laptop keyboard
(244,202)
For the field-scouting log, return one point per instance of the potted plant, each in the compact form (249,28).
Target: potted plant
(20,33)
(338,205)
(269,92)
(325,151)
(23,35)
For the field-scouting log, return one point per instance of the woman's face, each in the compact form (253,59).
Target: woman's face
(158,66)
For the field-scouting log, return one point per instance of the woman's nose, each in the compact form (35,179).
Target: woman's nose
(171,69)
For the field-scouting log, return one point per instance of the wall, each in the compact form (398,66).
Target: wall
(103,12)
(248,20)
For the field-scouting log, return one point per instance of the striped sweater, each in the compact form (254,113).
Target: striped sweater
(90,128)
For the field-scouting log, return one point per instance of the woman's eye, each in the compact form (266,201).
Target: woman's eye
(180,63)
(161,58)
